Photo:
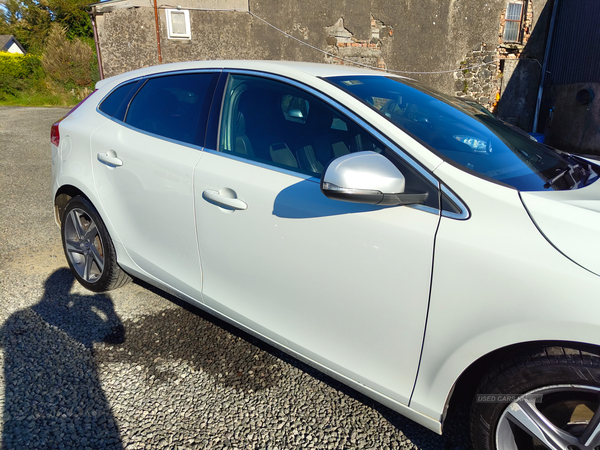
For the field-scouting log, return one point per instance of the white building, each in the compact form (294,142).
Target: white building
(8,43)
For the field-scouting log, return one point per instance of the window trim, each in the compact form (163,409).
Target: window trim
(140,81)
(186,18)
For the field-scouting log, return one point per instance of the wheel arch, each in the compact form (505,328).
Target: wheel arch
(62,197)
(468,381)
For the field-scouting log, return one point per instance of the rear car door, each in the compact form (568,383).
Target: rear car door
(345,285)
(143,161)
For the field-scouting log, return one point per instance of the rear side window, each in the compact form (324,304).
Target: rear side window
(115,105)
(175,106)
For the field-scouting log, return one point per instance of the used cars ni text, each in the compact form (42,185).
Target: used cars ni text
(397,239)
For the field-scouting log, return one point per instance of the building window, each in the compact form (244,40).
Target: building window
(178,24)
(512,24)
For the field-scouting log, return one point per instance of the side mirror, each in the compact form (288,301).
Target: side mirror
(367,177)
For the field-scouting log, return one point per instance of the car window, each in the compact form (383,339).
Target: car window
(278,124)
(468,136)
(174,107)
(115,104)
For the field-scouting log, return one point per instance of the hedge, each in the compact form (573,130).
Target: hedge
(19,66)
(18,73)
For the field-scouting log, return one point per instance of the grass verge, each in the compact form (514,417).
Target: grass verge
(38,98)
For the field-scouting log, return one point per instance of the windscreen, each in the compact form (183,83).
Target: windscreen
(468,135)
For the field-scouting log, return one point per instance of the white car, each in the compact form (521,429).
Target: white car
(399,240)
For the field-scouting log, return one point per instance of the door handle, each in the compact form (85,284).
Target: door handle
(110,158)
(225,198)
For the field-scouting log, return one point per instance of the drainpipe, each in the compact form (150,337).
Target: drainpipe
(545,65)
(157,32)
(93,19)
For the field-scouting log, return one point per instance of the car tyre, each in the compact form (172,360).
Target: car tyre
(545,399)
(89,249)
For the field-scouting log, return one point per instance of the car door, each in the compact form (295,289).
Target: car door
(344,284)
(143,164)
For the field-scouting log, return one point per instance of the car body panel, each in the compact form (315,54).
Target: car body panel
(311,271)
(576,211)
(498,251)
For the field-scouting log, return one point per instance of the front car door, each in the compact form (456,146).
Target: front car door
(345,285)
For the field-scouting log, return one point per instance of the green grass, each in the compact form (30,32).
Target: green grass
(33,98)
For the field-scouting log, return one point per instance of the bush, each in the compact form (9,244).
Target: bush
(18,72)
(64,75)
(68,62)
(20,66)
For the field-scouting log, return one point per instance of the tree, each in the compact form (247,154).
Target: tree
(73,17)
(65,61)
(29,20)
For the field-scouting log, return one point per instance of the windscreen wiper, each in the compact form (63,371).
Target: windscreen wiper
(571,168)
(552,181)
(588,167)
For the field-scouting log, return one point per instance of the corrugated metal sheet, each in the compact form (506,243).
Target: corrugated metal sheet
(575,49)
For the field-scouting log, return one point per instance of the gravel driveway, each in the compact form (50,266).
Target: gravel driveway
(139,369)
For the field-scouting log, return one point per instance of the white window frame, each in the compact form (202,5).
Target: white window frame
(186,14)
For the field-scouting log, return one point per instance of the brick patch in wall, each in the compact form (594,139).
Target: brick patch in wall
(347,49)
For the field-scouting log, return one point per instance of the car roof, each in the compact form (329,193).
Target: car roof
(292,69)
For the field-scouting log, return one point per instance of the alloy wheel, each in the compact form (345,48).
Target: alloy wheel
(83,245)
(565,417)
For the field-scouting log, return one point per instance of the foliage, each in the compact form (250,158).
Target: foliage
(40,97)
(60,67)
(72,15)
(18,72)
(67,62)
(19,66)
(30,20)
(62,76)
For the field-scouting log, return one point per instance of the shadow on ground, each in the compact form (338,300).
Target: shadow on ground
(53,396)
(239,360)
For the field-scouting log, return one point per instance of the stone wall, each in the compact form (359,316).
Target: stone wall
(478,80)
(400,35)
(504,77)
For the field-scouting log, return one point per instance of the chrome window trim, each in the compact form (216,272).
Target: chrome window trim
(306,177)
(464,214)
(262,165)
(427,209)
(360,121)
(108,116)
(157,136)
